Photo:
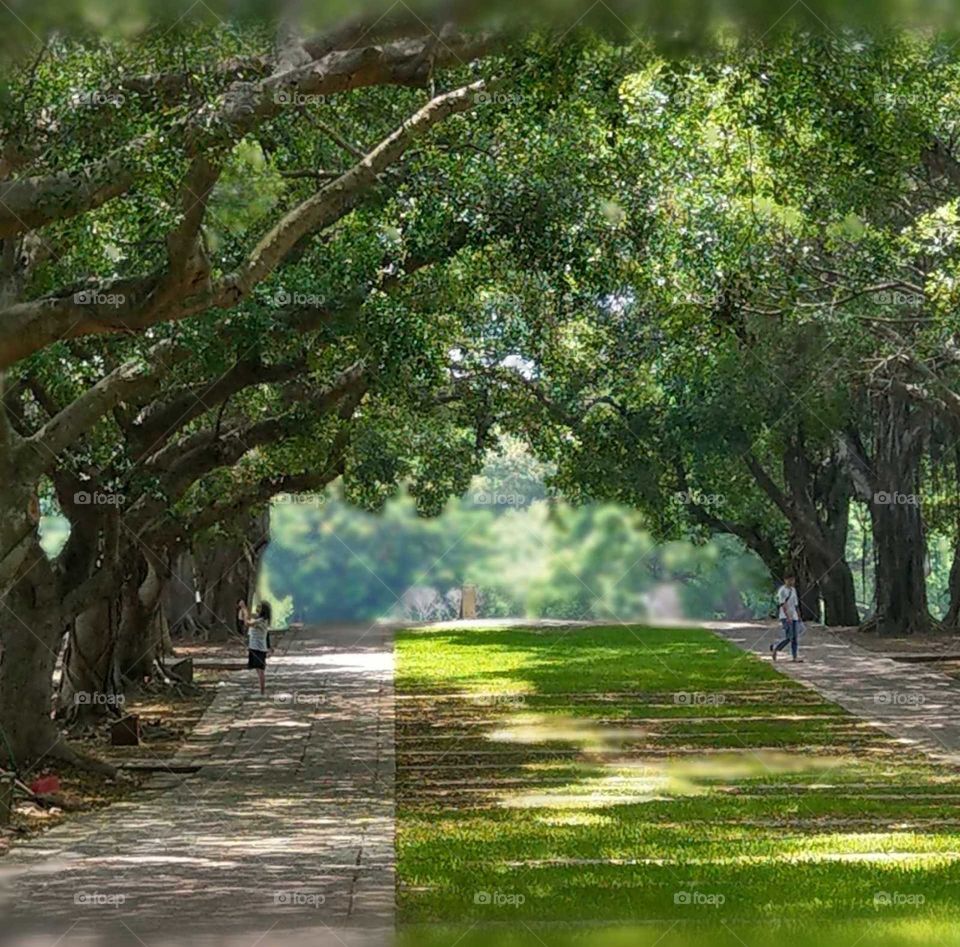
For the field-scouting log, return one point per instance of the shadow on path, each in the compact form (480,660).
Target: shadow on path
(284,836)
(911,702)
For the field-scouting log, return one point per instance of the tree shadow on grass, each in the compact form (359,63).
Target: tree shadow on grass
(762,806)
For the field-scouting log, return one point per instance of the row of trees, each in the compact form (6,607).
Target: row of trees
(779,341)
(243,261)
(229,257)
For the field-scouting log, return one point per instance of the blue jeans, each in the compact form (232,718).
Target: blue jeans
(791,632)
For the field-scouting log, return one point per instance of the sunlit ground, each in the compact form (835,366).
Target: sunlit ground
(628,785)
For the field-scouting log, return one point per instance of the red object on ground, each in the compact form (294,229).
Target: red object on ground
(45,785)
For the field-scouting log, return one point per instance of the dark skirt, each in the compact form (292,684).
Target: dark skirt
(257,660)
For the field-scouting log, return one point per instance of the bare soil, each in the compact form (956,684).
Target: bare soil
(167,714)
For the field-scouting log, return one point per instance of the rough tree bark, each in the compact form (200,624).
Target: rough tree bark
(30,624)
(814,500)
(89,685)
(899,536)
(889,482)
(227,571)
(178,600)
(140,644)
(834,492)
(808,584)
(30,634)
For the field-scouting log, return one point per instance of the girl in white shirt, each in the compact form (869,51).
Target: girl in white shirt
(258,643)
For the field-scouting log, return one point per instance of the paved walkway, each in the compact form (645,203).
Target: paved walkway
(284,837)
(912,702)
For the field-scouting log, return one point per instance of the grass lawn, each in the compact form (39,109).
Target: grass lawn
(646,786)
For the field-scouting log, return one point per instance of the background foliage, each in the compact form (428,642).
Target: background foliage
(528,553)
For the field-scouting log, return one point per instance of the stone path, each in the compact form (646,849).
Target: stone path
(285,836)
(915,703)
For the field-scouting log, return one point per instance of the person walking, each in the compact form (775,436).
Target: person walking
(789,613)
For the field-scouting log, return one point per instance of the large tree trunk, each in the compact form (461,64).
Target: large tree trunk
(815,502)
(899,537)
(833,491)
(808,585)
(179,596)
(141,628)
(89,686)
(900,554)
(227,571)
(839,595)
(30,636)
(166,640)
(19,508)
(29,621)
(32,626)
(819,503)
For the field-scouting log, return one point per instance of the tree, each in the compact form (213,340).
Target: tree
(750,244)
(143,236)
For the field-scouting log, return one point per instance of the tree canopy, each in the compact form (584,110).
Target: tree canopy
(710,279)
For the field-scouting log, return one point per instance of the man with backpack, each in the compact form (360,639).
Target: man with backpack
(789,613)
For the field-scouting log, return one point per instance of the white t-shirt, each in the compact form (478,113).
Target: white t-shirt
(257,635)
(789,604)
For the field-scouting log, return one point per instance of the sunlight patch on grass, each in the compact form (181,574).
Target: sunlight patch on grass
(600,792)
(574,818)
(731,780)
(730,767)
(534,729)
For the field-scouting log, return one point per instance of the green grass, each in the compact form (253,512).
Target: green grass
(620,784)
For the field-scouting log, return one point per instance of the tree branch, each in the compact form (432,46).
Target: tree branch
(134,304)
(134,377)
(29,203)
(341,196)
(182,464)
